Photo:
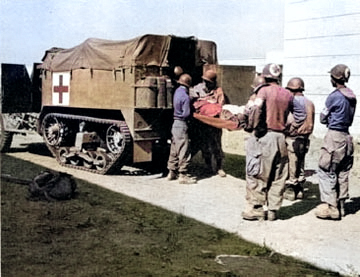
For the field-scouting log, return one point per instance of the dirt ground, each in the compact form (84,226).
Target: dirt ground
(217,201)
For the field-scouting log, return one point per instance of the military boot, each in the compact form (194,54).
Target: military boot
(254,213)
(187,180)
(271,215)
(172,175)
(289,193)
(221,173)
(327,211)
(219,167)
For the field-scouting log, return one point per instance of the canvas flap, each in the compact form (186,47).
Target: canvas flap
(147,50)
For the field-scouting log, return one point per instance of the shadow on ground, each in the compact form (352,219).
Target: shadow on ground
(34,148)
(310,201)
(352,206)
(234,165)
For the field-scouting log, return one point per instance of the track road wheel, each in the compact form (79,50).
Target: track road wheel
(115,140)
(75,160)
(100,161)
(63,152)
(53,130)
(88,163)
(5,137)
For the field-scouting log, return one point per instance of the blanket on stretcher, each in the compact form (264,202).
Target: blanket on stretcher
(231,117)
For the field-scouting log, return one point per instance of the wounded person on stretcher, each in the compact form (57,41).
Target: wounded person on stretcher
(231,117)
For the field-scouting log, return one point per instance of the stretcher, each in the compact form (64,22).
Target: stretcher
(218,122)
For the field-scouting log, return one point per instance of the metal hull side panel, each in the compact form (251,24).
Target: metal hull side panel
(147,126)
(101,89)
(46,88)
(96,89)
(142,151)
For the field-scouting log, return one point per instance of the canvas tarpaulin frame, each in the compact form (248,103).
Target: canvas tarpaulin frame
(100,54)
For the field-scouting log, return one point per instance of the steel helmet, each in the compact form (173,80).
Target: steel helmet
(296,84)
(210,76)
(340,72)
(185,80)
(178,71)
(258,81)
(272,71)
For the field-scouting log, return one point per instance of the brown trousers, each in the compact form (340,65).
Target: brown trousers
(266,184)
(297,148)
(180,155)
(336,160)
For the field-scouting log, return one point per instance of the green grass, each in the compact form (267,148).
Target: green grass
(102,233)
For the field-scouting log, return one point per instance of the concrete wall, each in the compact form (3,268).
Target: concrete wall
(236,82)
(318,35)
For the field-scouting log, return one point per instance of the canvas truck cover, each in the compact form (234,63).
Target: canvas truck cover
(100,54)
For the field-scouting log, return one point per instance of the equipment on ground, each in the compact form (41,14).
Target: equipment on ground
(47,185)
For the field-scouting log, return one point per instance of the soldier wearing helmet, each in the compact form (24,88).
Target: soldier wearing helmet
(180,155)
(340,74)
(272,72)
(300,124)
(210,77)
(337,152)
(208,99)
(252,145)
(257,84)
(267,159)
(296,85)
(185,80)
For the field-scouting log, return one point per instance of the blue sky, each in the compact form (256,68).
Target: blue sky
(241,28)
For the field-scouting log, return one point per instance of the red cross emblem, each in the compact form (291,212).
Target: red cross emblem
(61,89)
